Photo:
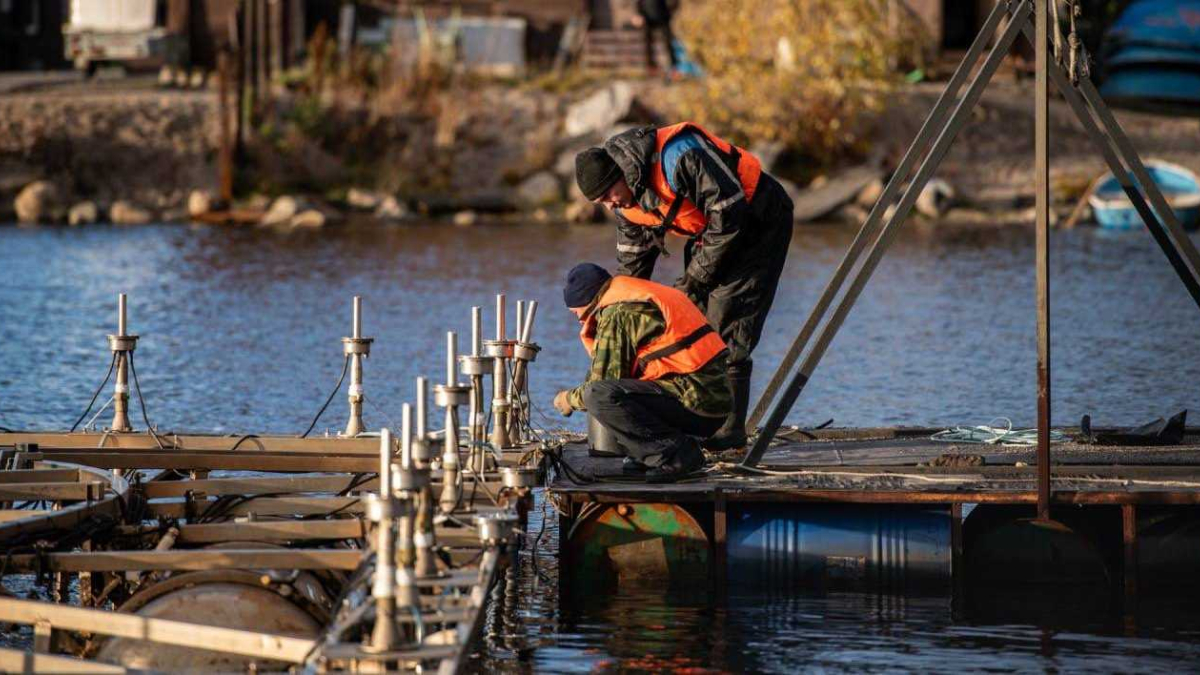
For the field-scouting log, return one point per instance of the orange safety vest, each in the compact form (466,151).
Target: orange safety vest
(688,219)
(685,346)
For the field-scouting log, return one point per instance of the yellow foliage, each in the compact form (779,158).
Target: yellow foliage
(807,73)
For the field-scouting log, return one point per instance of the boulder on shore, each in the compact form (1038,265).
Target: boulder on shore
(599,111)
(540,189)
(309,218)
(282,210)
(38,202)
(83,213)
(391,208)
(363,200)
(199,202)
(127,213)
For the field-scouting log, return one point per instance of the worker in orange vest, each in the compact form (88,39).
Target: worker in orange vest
(737,219)
(657,379)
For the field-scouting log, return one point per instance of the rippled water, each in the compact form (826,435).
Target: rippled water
(240,332)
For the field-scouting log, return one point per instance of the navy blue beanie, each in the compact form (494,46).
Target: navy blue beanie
(583,283)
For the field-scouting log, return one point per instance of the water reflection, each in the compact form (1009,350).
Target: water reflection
(241,327)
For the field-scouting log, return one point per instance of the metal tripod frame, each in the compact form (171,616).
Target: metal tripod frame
(949,114)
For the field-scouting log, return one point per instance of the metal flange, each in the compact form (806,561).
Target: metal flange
(475,365)
(518,477)
(500,349)
(526,351)
(447,395)
(122,343)
(496,528)
(408,480)
(352,345)
(422,451)
(379,508)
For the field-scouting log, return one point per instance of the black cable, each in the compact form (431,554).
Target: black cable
(336,389)
(111,364)
(242,440)
(142,402)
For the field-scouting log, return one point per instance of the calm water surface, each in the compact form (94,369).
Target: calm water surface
(240,332)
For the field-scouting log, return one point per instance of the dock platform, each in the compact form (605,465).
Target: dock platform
(889,507)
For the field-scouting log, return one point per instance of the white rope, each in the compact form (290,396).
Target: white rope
(991,434)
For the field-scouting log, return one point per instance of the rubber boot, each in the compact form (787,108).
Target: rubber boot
(732,434)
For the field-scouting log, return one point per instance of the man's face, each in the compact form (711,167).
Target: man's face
(619,196)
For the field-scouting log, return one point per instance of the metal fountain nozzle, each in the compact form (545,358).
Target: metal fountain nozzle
(122,345)
(356,348)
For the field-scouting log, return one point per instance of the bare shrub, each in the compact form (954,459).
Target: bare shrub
(807,73)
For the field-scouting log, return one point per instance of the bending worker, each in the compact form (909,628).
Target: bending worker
(657,379)
(737,218)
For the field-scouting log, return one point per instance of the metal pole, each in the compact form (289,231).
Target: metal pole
(1041,187)
(932,124)
(888,233)
(406,556)
(354,426)
(225,158)
(450,463)
(383,590)
(500,403)
(122,347)
(424,537)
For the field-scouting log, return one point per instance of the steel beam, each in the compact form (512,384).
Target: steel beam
(17,661)
(933,122)
(1041,196)
(159,631)
(940,147)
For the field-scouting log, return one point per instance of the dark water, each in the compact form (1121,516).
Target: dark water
(240,332)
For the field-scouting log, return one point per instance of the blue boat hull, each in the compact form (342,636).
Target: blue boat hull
(1181,187)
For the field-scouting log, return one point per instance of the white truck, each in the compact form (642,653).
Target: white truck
(119,31)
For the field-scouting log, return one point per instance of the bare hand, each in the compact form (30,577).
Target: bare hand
(562,405)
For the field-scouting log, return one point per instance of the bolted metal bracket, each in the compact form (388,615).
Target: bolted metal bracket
(496,529)
(446,396)
(122,343)
(362,346)
(526,351)
(518,477)
(499,349)
(475,365)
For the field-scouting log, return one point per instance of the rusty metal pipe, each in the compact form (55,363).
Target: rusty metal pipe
(385,636)
(1041,180)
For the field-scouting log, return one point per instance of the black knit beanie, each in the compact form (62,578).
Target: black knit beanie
(583,283)
(595,172)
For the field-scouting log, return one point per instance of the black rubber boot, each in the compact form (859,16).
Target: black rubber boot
(686,461)
(732,434)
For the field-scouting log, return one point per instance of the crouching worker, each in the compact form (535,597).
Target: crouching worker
(657,379)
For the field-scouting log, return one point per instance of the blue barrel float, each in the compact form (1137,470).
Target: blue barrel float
(888,548)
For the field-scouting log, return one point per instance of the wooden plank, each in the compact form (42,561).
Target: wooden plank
(217,461)
(159,631)
(175,507)
(9,515)
(255,486)
(118,561)
(774,494)
(57,491)
(40,476)
(64,519)
(17,661)
(296,530)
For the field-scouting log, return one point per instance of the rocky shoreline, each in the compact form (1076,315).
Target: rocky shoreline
(497,152)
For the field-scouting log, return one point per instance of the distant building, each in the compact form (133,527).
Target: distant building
(31,34)
(951,24)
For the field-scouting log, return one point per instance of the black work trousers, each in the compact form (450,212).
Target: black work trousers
(738,305)
(649,424)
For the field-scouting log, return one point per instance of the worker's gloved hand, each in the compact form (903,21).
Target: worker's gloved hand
(562,405)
